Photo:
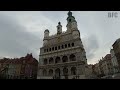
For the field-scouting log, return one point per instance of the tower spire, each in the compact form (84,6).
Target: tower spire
(59,28)
(71,22)
(59,23)
(69,13)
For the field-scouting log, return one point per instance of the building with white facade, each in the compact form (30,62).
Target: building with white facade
(62,55)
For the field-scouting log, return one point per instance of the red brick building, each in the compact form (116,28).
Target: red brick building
(19,68)
(29,67)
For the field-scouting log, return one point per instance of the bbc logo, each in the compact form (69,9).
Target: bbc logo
(112,14)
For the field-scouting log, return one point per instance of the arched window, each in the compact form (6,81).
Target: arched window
(44,50)
(57,60)
(65,59)
(69,45)
(51,72)
(53,48)
(62,47)
(45,61)
(65,45)
(73,71)
(51,61)
(72,44)
(72,57)
(57,73)
(58,47)
(44,72)
(65,71)
(50,49)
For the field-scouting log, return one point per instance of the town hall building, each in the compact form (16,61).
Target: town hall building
(62,55)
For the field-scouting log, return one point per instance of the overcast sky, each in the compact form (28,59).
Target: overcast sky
(21,32)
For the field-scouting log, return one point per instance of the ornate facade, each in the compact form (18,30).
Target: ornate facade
(62,55)
(114,62)
(116,48)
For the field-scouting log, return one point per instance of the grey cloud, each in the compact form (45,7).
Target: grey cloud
(91,46)
(97,31)
(14,40)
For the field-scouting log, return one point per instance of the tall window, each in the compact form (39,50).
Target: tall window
(69,45)
(50,72)
(57,73)
(53,48)
(57,60)
(50,49)
(73,71)
(45,61)
(65,45)
(44,72)
(62,46)
(72,44)
(72,57)
(58,47)
(65,59)
(65,71)
(44,50)
(51,61)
